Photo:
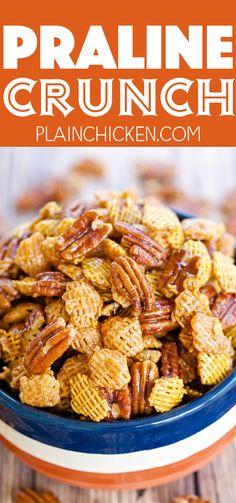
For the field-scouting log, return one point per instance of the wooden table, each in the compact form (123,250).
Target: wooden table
(21,167)
(217,481)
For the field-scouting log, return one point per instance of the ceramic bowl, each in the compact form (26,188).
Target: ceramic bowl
(139,453)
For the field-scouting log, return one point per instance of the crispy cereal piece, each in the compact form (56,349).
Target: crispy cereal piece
(45,227)
(72,271)
(108,369)
(160,320)
(208,334)
(65,376)
(30,257)
(87,400)
(198,249)
(63,225)
(54,310)
(123,209)
(84,236)
(213,368)
(167,393)
(123,334)
(112,249)
(18,370)
(186,339)
(170,360)
(49,250)
(31,496)
(160,218)
(110,309)
(86,339)
(11,344)
(19,312)
(40,390)
(224,308)
(143,375)
(187,304)
(97,270)
(83,303)
(202,229)
(151,342)
(164,221)
(141,246)
(130,285)
(50,284)
(148,354)
(225,244)
(8,293)
(224,272)
(50,210)
(191,498)
(48,346)
(26,286)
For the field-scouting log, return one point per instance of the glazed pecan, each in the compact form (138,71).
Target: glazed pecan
(7,293)
(82,237)
(210,291)
(170,360)
(191,498)
(143,375)
(187,366)
(158,321)
(47,347)
(130,285)
(142,247)
(176,272)
(50,284)
(224,308)
(119,402)
(31,496)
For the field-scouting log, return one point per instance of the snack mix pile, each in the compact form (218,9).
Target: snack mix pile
(31,496)
(116,309)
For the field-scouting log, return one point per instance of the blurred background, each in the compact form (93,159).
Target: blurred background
(199,180)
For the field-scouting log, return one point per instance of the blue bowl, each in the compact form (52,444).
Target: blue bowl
(138,453)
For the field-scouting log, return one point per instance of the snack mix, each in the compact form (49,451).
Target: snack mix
(31,496)
(115,309)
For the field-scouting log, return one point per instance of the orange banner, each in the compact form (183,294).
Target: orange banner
(124,74)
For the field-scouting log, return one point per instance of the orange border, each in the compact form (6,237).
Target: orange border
(133,480)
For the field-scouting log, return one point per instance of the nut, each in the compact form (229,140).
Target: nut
(130,286)
(47,347)
(85,235)
(143,375)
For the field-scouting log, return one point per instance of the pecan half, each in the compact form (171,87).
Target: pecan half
(170,360)
(143,375)
(176,272)
(158,321)
(82,237)
(187,366)
(50,284)
(31,496)
(142,247)
(119,402)
(224,308)
(130,285)
(47,347)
